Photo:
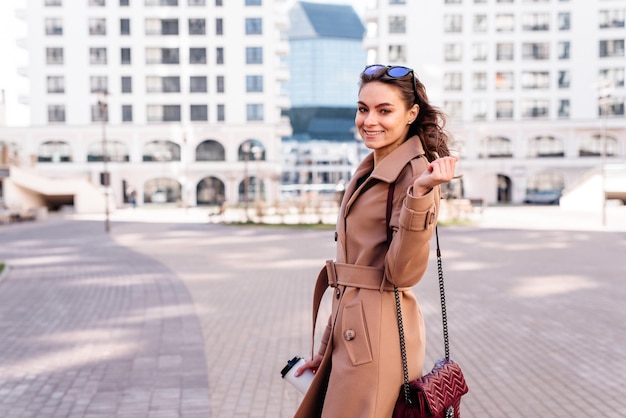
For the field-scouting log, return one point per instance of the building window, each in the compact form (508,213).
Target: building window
(210,150)
(54,56)
(479,110)
(199,112)
(480,51)
(98,56)
(480,1)
(56,84)
(161,150)
(169,26)
(479,81)
(453,2)
(564,20)
(97,26)
(97,3)
(219,83)
(535,50)
(161,2)
(99,113)
(54,152)
(197,26)
(219,26)
(197,55)
(563,50)
(612,18)
(564,108)
(453,81)
(125,56)
(392,2)
(504,80)
(162,56)
(167,84)
(536,21)
(453,52)
(53,3)
(564,79)
(397,24)
(397,54)
(124,26)
(496,146)
(453,108)
(54,26)
(198,84)
(254,83)
(254,26)
(254,55)
(163,113)
(612,48)
(219,55)
(504,110)
(254,112)
(196,2)
(480,23)
(218,3)
(221,113)
(611,77)
(453,23)
(124,2)
(56,113)
(545,146)
(253,2)
(532,108)
(127,84)
(98,83)
(505,22)
(504,51)
(535,79)
(611,106)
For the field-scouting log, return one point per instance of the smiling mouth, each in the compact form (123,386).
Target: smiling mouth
(373,132)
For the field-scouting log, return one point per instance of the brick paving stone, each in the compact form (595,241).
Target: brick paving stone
(178,319)
(93,329)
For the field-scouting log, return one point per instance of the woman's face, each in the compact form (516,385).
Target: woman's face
(382,117)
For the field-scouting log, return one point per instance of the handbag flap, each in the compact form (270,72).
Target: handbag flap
(441,387)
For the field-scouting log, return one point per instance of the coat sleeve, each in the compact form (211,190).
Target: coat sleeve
(407,258)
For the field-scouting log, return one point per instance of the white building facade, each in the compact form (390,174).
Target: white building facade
(534,88)
(184,97)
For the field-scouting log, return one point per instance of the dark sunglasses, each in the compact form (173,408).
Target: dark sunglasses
(393,71)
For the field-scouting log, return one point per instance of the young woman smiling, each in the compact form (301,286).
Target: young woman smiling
(387,218)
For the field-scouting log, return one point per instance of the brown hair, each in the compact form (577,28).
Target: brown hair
(430,121)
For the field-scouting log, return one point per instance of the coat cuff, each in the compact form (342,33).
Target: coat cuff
(418,213)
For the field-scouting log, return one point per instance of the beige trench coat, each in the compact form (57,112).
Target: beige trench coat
(361,371)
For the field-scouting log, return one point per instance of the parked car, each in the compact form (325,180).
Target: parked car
(544,197)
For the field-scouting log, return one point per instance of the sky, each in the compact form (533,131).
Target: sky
(11,57)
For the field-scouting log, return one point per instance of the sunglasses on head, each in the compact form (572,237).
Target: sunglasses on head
(393,71)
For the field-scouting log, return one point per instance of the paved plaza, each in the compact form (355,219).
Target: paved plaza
(184,317)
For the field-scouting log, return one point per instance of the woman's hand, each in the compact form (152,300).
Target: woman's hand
(312,364)
(439,171)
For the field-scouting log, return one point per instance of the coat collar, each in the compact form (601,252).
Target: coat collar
(387,170)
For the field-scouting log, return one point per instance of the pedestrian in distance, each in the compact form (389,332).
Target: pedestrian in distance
(387,217)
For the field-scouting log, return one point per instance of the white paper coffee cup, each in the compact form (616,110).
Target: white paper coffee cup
(301,382)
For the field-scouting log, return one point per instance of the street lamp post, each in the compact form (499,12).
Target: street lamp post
(102,107)
(605,105)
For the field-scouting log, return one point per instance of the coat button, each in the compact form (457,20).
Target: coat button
(349,335)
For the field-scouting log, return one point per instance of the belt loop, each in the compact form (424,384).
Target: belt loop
(332,277)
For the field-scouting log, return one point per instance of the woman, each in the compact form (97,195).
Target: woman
(358,365)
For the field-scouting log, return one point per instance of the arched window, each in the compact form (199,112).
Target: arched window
(255,192)
(161,150)
(547,181)
(210,150)
(210,191)
(545,146)
(54,152)
(597,145)
(251,150)
(116,151)
(496,147)
(162,190)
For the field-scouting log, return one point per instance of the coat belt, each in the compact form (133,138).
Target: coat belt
(363,277)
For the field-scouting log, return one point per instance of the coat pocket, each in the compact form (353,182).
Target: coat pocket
(354,334)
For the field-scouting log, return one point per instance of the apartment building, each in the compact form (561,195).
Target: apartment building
(183,97)
(534,88)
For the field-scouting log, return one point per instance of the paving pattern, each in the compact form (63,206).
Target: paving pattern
(197,319)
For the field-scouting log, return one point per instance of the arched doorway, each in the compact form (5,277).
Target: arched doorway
(504,189)
(210,191)
(162,190)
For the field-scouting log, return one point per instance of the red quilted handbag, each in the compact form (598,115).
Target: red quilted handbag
(438,393)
